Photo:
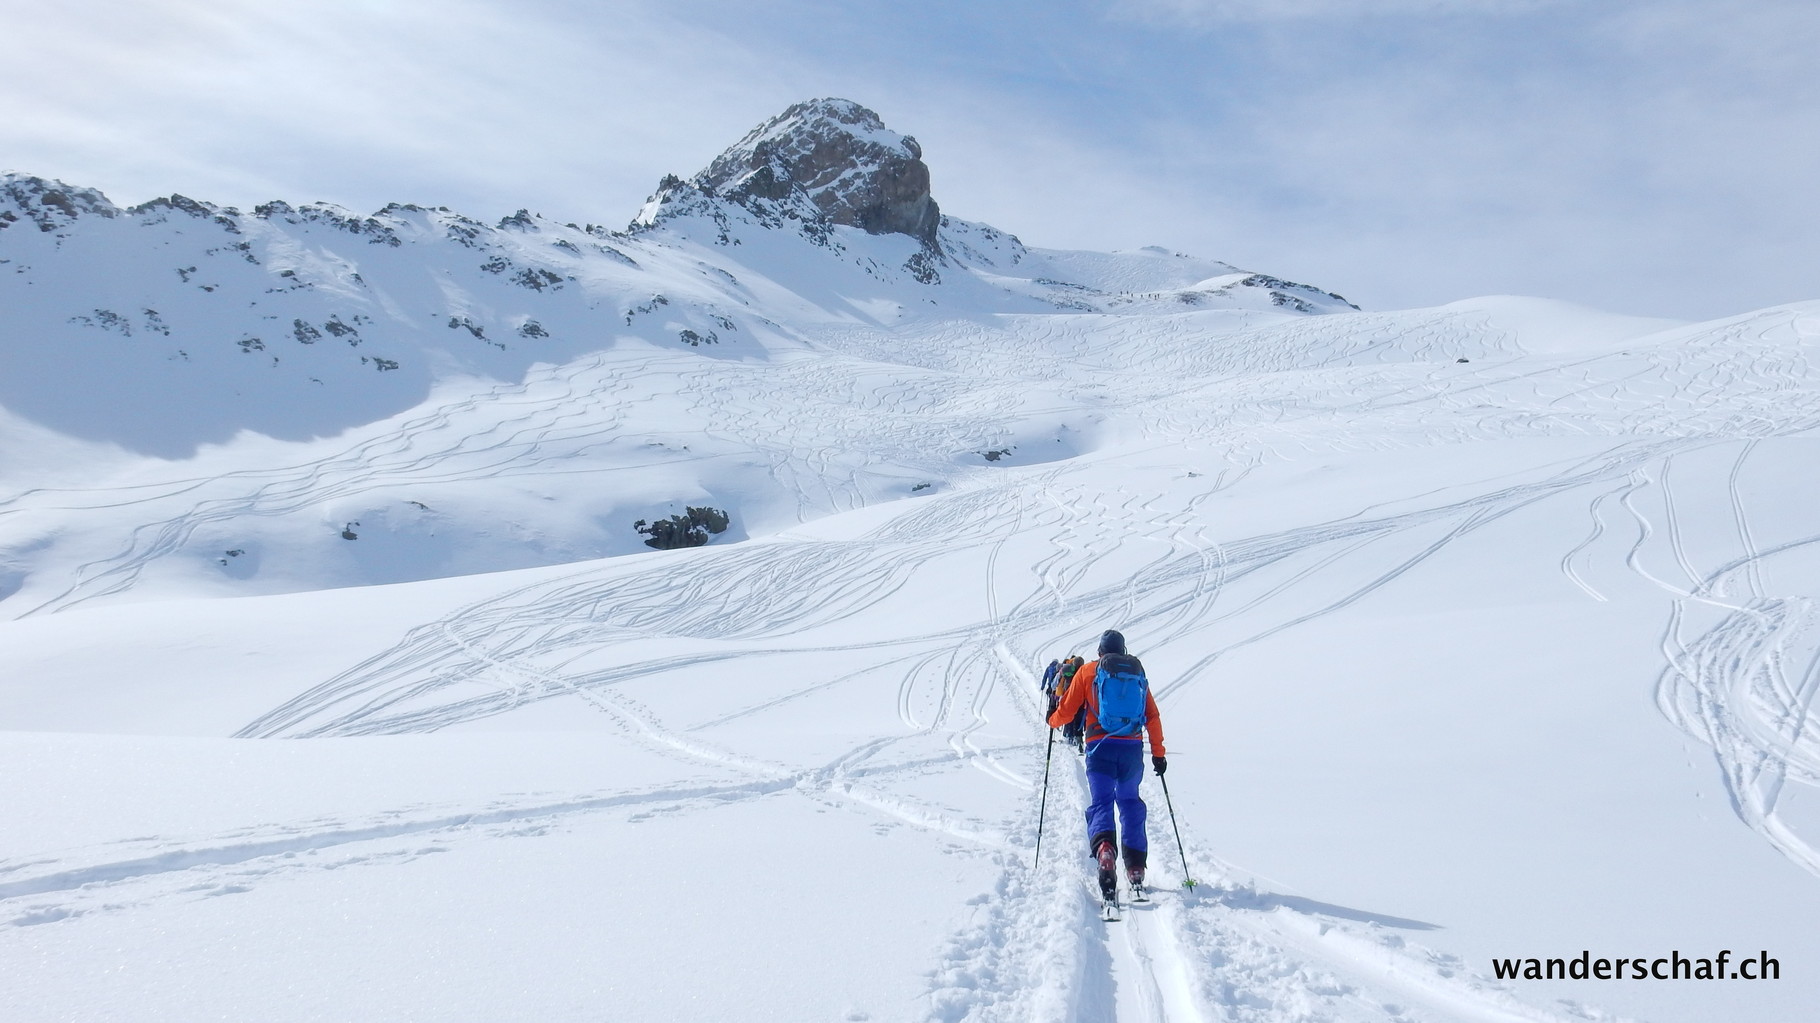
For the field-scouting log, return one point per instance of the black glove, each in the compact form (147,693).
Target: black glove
(1161,764)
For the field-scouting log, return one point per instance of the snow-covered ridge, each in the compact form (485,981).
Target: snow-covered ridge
(304,320)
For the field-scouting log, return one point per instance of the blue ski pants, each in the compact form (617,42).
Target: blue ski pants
(1114,768)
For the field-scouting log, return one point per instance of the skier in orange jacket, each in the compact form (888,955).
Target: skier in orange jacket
(1115,763)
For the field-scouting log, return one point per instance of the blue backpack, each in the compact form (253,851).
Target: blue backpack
(1120,688)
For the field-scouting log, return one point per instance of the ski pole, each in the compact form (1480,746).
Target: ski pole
(1043,806)
(1187,881)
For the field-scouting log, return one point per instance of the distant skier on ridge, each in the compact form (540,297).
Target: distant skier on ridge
(1116,695)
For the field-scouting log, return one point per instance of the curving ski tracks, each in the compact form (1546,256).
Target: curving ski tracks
(1743,662)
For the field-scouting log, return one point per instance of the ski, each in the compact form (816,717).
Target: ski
(1139,893)
(1109,910)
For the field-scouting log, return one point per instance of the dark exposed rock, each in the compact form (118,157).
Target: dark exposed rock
(614,254)
(47,203)
(826,160)
(343,330)
(1282,292)
(375,231)
(689,530)
(537,279)
(647,307)
(106,319)
(922,267)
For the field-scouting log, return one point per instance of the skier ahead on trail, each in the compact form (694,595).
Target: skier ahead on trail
(1063,679)
(1119,706)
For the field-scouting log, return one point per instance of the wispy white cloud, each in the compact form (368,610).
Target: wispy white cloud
(1648,157)
(465,101)
(1206,12)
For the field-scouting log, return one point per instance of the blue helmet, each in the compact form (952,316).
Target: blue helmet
(1112,641)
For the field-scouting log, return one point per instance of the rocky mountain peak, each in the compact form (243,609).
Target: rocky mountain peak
(840,157)
(47,203)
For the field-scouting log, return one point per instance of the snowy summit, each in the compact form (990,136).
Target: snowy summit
(835,158)
(409,615)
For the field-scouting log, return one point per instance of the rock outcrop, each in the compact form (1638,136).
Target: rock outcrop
(48,204)
(826,159)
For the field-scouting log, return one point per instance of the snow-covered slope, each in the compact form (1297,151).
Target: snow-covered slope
(385,347)
(339,685)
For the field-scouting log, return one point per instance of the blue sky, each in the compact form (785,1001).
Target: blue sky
(1656,158)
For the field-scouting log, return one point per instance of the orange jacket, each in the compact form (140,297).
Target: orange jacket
(1081,693)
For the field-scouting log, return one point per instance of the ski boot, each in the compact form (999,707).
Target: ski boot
(1135,861)
(1109,880)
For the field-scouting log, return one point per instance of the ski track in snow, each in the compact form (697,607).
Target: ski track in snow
(573,409)
(201,865)
(1222,950)
(1743,667)
(1746,684)
(535,643)
(1145,967)
(1266,390)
